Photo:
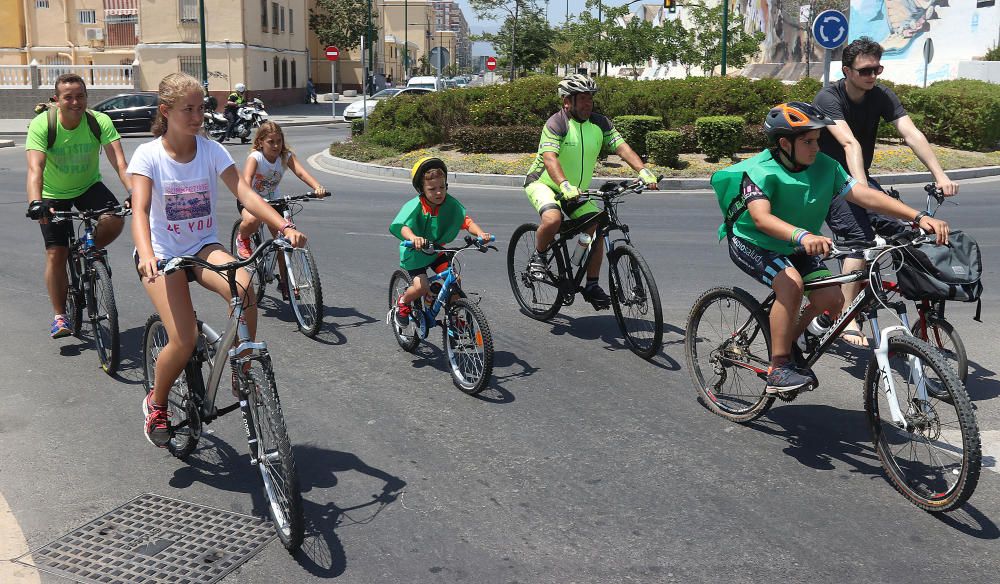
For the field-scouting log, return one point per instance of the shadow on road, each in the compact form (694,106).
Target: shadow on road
(604,328)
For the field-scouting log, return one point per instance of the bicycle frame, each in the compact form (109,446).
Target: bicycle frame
(429,314)
(269,262)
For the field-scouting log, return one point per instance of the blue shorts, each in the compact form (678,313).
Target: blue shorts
(764,265)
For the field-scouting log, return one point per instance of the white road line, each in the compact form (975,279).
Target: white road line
(12,545)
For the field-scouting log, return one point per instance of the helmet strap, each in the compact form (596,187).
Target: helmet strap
(787,159)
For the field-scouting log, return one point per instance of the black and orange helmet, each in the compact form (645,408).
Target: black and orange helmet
(793,118)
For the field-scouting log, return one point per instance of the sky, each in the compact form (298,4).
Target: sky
(557,15)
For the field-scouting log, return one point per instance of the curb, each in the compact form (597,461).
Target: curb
(333,163)
(6,143)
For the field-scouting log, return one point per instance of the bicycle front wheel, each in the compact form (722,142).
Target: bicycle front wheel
(183,401)
(636,301)
(933,455)
(104,317)
(74,297)
(540,298)
(274,455)
(407,336)
(728,347)
(941,335)
(306,297)
(469,345)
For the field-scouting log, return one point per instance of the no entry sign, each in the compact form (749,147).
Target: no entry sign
(332,53)
(491,63)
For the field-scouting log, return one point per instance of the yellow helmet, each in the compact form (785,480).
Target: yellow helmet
(422,166)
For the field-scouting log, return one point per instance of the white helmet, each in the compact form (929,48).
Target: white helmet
(240,88)
(576,83)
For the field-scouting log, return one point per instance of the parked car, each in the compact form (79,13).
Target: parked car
(424,81)
(356,109)
(130,112)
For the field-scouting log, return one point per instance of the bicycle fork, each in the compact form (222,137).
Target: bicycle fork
(915,375)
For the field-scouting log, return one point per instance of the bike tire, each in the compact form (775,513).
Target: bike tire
(259,270)
(942,335)
(937,424)
(539,299)
(307,296)
(275,461)
(634,297)
(408,337)
(185,395)
(74,297)
(468,345)
(103,313)
(712,351)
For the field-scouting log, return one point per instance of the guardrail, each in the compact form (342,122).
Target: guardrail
(44,76)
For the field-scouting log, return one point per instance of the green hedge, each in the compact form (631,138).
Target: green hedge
(664,146)
(720,136)
(357,126)
(635,128)
(959,113)
(486,139)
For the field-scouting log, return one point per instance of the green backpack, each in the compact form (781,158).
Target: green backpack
(95,128)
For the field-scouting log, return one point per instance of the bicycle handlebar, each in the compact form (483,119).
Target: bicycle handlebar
(612,190)
(470,241)
(59,216)
(284,199)
(171,265)
(850,246)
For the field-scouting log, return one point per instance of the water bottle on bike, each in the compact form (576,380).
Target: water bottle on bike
(816,329)
(583,242)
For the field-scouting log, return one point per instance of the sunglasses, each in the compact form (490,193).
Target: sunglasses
(869,71)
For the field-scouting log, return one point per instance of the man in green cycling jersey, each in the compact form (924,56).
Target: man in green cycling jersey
(571,142)
(774,205)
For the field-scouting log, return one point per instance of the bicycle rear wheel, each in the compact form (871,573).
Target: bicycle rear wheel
(540,299)
(636,301)
(728,347)
(185,395)
(104,317)
(259,269)
(274,454)
(408,337)
(306,297)
(468,344)
(934,460)
(941,335)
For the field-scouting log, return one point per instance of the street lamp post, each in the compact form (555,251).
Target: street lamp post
(204,50)
(725,33)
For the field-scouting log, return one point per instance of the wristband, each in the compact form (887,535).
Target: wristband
(287,224)
(920,216)
(798,240)
(795,235)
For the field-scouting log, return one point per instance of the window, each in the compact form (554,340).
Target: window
(191,66)
(86,16)
(41,3)
(274,17)
(277,79)
(265,65)
(294,76)
(263,21)
(187,10)
(282,19)
(291,21)
(284,73)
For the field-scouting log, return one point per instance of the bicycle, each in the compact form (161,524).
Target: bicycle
(299,274)
(922,423)
(466,335)
(191,402)
(633,292)
(930,324)
(90,284)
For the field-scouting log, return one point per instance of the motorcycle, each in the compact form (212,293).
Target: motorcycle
(215,123)
(249,117)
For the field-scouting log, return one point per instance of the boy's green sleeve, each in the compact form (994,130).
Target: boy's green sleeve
(406,216)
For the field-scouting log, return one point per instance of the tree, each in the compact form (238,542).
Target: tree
(674,44)
(629,42)
(706,39)
(340,23)
(525,44)
(488,9)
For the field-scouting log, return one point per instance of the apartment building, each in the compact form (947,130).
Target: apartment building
(449,16)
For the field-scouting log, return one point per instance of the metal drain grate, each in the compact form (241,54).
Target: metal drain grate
(153,539)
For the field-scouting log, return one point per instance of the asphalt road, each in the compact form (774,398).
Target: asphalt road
(581,463)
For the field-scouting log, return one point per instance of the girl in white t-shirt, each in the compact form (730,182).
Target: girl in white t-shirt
(174,181)
(266,164)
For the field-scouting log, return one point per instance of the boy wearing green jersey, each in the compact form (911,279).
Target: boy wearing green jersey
(774,205)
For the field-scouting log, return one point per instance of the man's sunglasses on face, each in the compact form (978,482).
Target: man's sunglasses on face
(869,71)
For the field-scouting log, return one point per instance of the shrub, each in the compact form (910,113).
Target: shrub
(635,128)
(804,89)
(754,138)
(664,146)
(719,136)
(361,151)
(357,126)
(962,113)
(689,139)
(496,138)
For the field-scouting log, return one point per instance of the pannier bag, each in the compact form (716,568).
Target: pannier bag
(943,272)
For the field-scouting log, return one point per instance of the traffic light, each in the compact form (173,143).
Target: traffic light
(670,5)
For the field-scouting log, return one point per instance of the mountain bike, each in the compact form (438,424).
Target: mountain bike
(191,402)
(295,271)
(634,297)
(90,284)
(466,335)
(922,423)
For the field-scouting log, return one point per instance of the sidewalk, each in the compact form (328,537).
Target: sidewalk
(301,114)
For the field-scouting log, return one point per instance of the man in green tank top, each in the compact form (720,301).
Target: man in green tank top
(773,206)
(571,142)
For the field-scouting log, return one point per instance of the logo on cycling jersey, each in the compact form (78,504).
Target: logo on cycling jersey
(754,255)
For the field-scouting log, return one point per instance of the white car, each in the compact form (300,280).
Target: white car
(357,109)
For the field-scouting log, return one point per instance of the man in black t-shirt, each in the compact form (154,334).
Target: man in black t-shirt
(857,103)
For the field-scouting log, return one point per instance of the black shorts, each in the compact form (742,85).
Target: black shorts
(764,265)
(96,197)
(188,271)
(439,265)
(848,221)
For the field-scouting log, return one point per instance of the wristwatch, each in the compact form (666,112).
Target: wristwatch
(920,216)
